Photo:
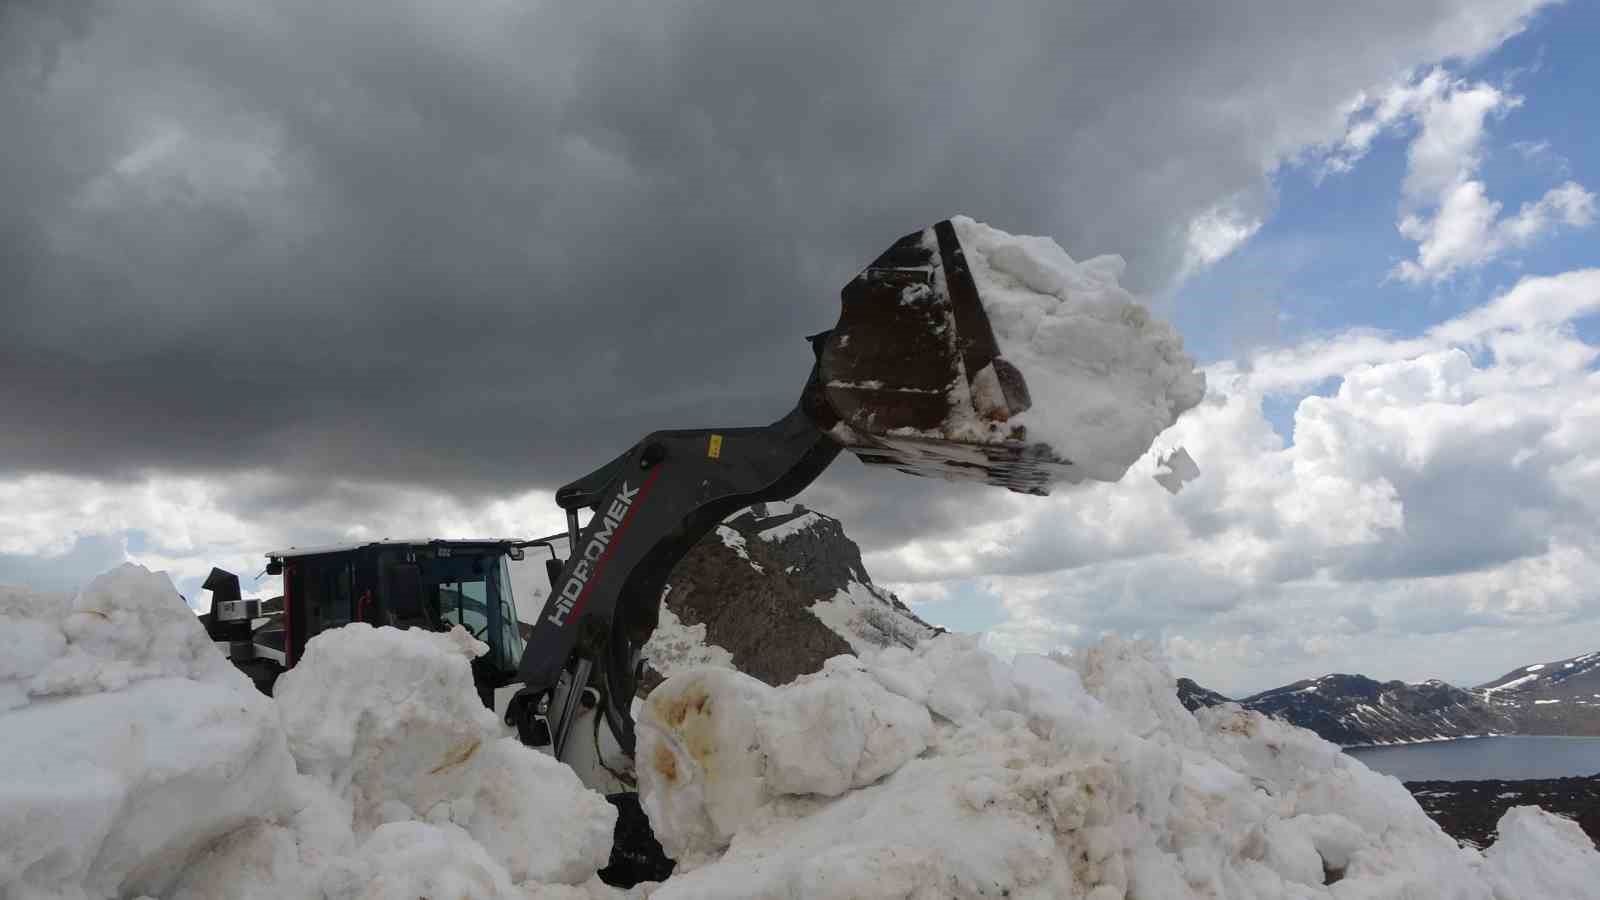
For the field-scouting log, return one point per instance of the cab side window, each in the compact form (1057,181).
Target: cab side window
(331,599)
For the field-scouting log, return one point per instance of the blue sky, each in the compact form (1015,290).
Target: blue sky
(1321,259)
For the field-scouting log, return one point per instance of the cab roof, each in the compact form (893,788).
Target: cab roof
(484,543)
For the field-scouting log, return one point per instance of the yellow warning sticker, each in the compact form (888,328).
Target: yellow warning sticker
(714,451)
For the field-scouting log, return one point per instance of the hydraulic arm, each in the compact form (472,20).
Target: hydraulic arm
(910,377)
(650,506)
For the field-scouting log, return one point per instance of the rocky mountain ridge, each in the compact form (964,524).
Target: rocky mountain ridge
(1559,698)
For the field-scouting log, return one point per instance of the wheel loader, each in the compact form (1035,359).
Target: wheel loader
(911,378)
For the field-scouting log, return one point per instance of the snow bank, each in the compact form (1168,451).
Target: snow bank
(1535,847)
(391,721)
(1104,375)
(129,742)
(128,625)
(138,760)
(137,764)
(1077,777)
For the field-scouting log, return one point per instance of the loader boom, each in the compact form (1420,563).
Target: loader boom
(651,505)
(911,377)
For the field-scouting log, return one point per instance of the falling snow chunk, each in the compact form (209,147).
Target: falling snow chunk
(1176,469)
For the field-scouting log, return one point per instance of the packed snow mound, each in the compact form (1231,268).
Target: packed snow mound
(1536,847)
(381,714)
(1046,777)
(1104,375)
(127,747)
(938,771)
(718,745)
(390,721)
(139,761)
(128,625)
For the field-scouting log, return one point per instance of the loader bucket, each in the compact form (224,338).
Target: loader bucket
(917,379)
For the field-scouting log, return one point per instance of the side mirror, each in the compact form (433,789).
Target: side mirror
(552,570)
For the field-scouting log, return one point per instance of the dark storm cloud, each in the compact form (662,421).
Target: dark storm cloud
(486,246)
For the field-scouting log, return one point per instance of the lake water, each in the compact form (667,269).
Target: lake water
(1477,759)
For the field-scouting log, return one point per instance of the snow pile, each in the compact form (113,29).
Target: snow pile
(1535,847)
(1080,777)
(138,760)
(390,721)
(129,742)
(1105,376)
(108,637)
(937,771)
(718,745)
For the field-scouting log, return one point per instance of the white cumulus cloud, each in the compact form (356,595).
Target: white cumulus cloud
(1446,208)
(1440,488)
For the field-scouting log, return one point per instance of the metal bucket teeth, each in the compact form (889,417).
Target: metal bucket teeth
(917,379)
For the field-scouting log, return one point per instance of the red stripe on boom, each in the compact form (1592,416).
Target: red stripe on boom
(644,491)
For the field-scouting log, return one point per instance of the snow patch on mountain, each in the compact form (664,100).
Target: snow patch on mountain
(868,620)
(734,541)
(675,647)
(788,528)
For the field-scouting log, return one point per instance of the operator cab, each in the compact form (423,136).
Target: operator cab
(433,584)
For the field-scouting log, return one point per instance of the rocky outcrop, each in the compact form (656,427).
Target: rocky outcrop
(782,588)
(1193,696)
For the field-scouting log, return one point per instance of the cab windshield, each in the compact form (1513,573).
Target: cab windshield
(475,593)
